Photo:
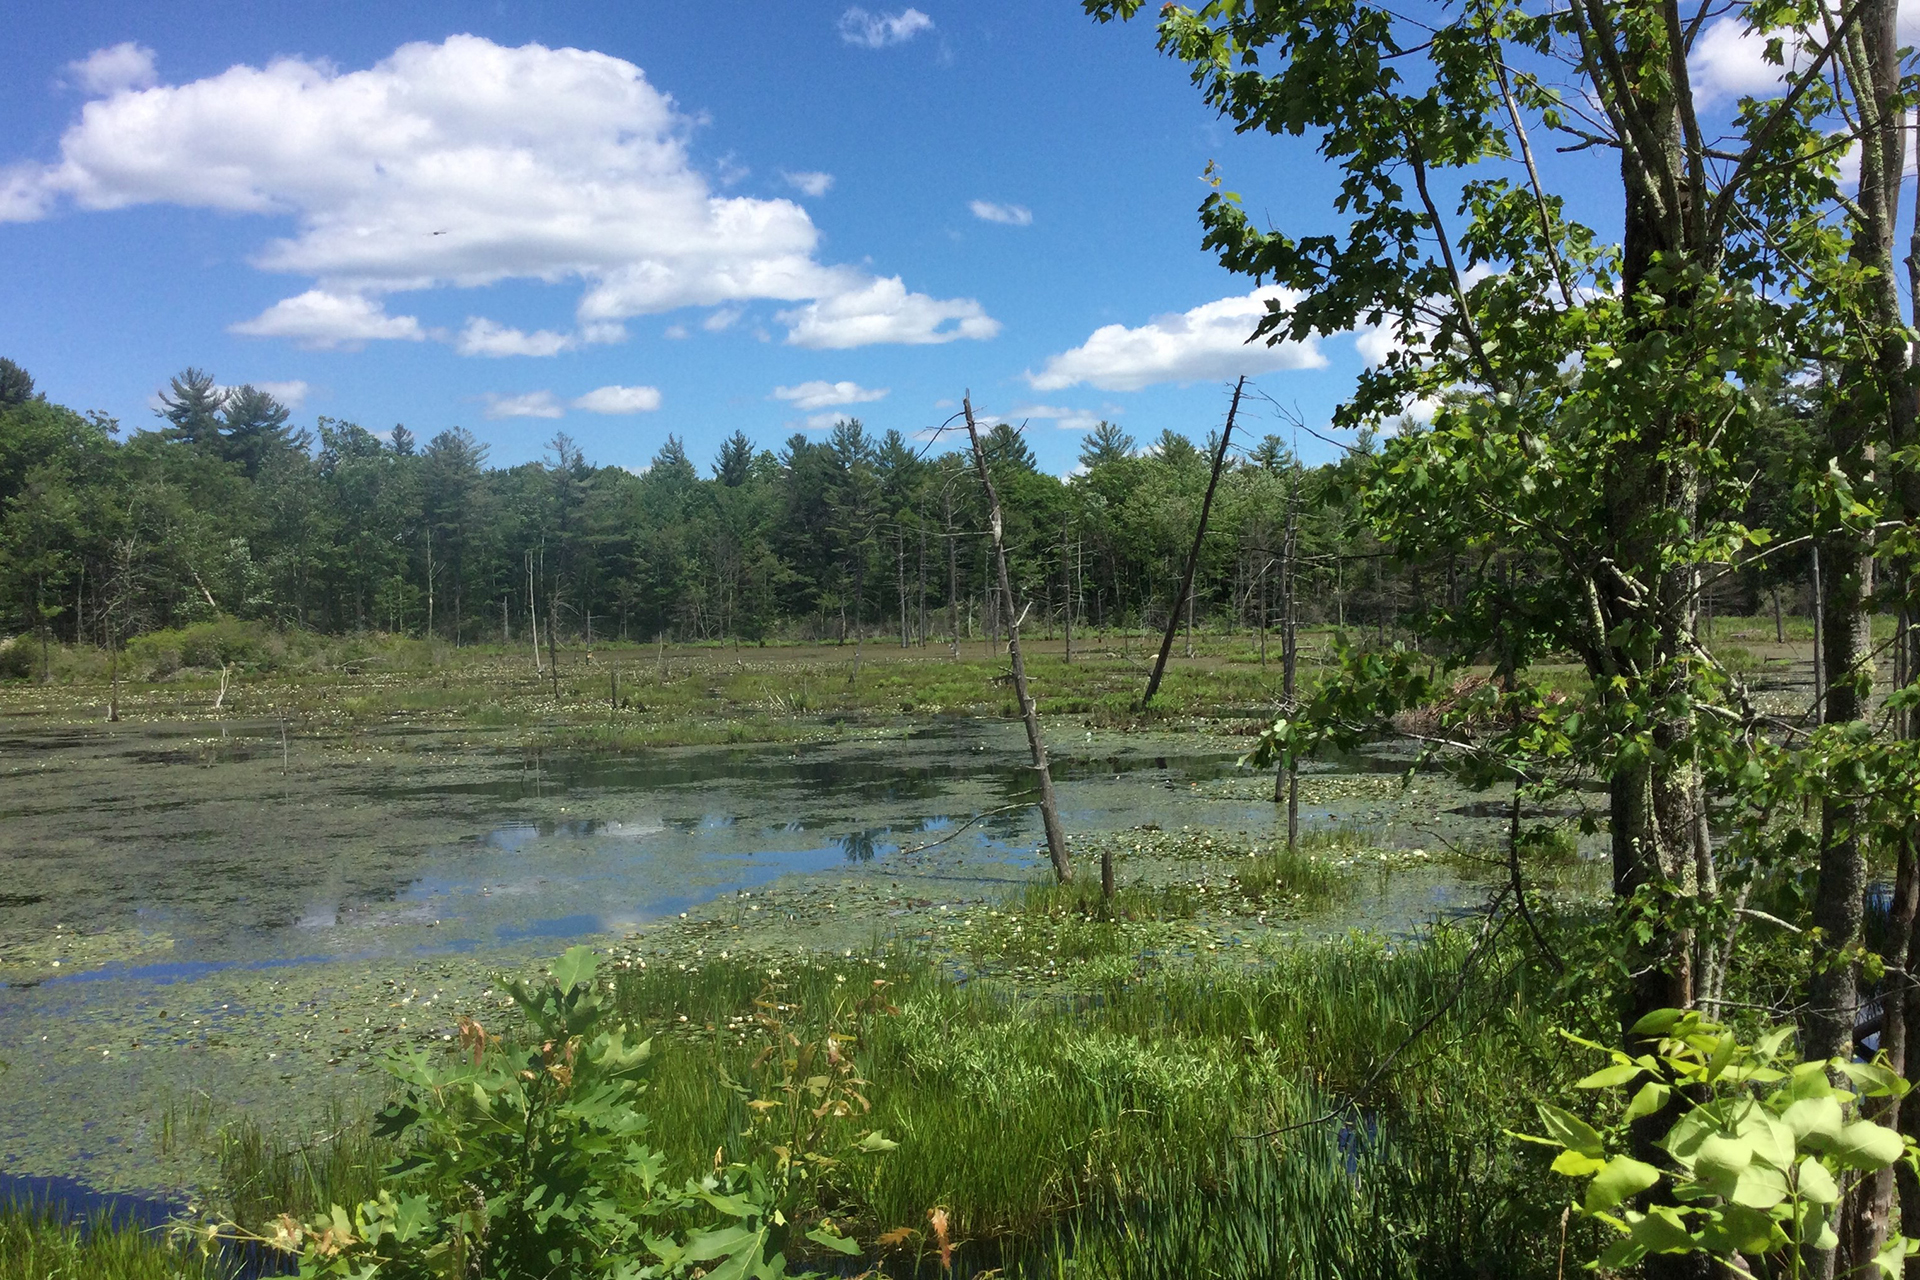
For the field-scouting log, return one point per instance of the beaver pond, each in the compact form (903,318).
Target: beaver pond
(203,917)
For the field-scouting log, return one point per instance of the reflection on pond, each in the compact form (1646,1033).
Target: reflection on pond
(207,845)
(860,846)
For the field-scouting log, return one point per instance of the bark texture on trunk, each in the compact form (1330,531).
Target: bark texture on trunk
(1029,713)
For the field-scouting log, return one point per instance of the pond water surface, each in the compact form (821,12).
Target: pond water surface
(187,908)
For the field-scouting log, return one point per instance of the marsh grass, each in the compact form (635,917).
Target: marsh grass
(1117,1119)
(1106,1127)
(627,697)
(37,1242)
(262,1175)
(1294,879)
(1101,1129)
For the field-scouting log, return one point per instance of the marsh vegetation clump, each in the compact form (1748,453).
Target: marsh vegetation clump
(43,1242)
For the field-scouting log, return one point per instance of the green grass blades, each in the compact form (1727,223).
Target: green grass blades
(39,1243)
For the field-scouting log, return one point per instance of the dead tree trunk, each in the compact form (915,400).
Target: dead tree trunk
(1066,591)
(533,616)
(1289,653)
(1049,814)
(1193,557)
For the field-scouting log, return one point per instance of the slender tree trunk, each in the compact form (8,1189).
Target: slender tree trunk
(1906,489)
(113,670)
(1029,712)
(533,614)
(1289,660)
(553,647)
(1876,408)
(1066,591)
(1819,636)
(953,581)
(1193,556)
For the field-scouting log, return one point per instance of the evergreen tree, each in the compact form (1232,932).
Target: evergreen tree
(736,461)
(253,427)
(16,385)
(1105,443)
(192,406)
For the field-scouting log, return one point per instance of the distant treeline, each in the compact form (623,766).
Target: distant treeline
(227,509)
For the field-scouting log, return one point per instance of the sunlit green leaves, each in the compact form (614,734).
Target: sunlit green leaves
(1755,1154)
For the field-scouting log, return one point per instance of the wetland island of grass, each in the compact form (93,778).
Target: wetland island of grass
(1434,794)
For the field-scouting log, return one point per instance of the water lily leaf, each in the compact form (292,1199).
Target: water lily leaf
(1622,1177)
(1570,1130)
(1866,1145)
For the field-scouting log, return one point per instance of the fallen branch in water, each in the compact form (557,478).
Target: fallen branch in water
(1005,808)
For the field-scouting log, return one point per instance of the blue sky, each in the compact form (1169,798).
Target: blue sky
(624,220)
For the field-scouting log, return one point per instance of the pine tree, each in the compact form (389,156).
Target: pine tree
(192,406)
(1105,443)
(253,427)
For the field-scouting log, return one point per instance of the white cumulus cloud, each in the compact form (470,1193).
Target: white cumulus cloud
(1011,215)
(122,66)
(1209,341)
(617,399)
(324,320)
(534,404)
(878,30)
(820,394)
(883,311)
(809,182)
(482,337)
(292,393)
(1728,61)
(1063,418)
(455,164)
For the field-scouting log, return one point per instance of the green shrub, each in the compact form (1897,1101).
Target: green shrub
(530,1161)
(18,658)
(221,642)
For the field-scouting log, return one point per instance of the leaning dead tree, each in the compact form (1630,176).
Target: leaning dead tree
(1049,813)
(1193,556)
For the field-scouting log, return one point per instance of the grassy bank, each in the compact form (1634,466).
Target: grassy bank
(1077,1090)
